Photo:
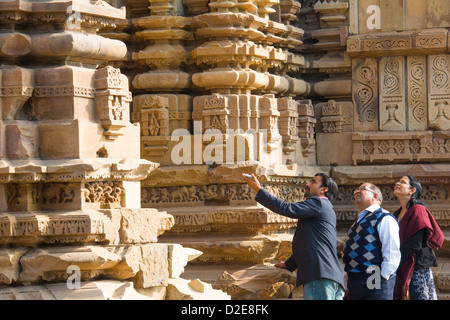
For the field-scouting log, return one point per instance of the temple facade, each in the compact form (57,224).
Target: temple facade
(126,125)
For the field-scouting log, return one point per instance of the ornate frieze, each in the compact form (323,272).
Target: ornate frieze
(195,195)
(216,194)
(226,220)
(378,147)
(402,43)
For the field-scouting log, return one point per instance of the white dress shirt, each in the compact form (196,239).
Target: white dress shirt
(388,232)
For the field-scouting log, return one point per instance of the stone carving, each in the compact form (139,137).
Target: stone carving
(392,105)
(417,103)
(335,86)
(438,68)
(332,13)
(13,194)
(54,193)
(192,194)
(420,146)
(107,193)
(365,79)
(112,101)
(65,130)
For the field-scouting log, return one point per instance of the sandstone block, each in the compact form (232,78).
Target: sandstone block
(88,290)
(96,290)
(59,140)
(22,141)
(52,263)
(179,257)
(151,263)
(257,282)
(26,293)
(180,289)
(143,225)
(9,265)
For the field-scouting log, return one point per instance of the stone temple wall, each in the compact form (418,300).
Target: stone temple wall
(356,89)
(71,223)
(126,119)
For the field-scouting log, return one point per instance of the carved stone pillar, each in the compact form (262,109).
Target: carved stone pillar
(165,32)
(69,156)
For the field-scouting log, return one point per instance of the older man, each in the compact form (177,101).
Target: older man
(372,252)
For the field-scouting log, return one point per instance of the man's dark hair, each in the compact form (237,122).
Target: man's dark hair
(329,183)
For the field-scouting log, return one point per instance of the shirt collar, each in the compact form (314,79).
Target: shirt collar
(372,208)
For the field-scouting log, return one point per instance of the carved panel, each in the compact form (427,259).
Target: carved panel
(392,99)
(306,126)
(365,94)
(417,93)
(57,193)
(439,91)
(268,121)
(195,195)
(112,100)
(109,194)
(288,123)
(332,118)
(238,220)
(431,194)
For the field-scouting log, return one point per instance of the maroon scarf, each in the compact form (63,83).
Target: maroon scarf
(415,219)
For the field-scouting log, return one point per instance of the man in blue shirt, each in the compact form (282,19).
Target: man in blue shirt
(314,253)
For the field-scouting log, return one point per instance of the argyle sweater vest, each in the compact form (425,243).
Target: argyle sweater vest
(363,248)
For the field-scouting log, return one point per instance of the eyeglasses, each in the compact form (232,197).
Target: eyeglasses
(364,188)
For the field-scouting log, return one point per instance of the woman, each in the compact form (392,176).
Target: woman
(419,234)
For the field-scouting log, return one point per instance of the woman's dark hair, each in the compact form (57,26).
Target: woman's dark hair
(414,183)
(329,183)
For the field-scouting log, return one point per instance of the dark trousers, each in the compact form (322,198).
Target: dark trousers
(360,287)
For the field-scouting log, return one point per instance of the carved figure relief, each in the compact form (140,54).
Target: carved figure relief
(103,192)
(54,193)
(209,193)
(13,194)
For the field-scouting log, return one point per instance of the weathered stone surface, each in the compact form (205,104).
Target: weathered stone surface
(89,290)
(52,263)
(9,265)
(257,282)
(148,263)
(181,289)
(143,225)
(179,257)
(244,250)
